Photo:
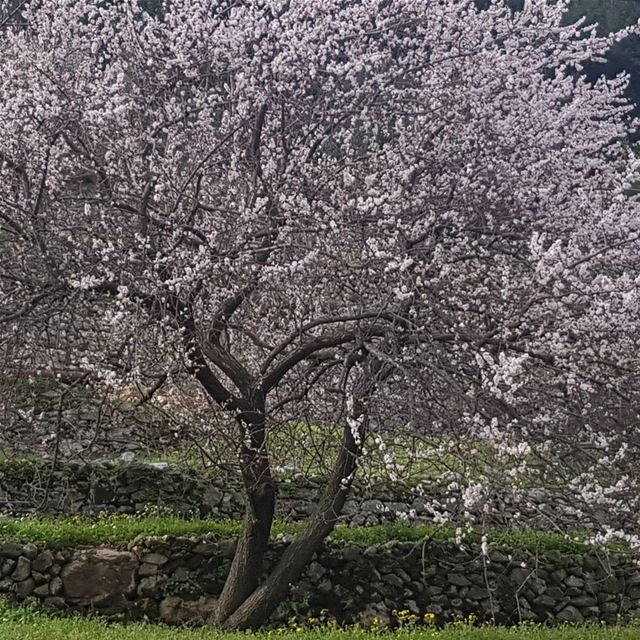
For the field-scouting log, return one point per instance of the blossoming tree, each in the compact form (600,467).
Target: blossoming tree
(370,213)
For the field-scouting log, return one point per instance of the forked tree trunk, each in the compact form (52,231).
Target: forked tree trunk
(246,566)
(263,600)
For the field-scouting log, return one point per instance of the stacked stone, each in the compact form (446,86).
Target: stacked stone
(177,579)
(78,488)
(29,572)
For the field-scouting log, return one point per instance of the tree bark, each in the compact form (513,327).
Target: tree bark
(260,488)
(258,606)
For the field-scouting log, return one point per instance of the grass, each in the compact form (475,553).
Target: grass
(30,624)
(111,529)
(120,530)
(310,450)
(529,540)
(398,462)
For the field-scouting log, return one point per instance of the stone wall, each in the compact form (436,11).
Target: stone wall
(79,488)
(178,579)
(37,416)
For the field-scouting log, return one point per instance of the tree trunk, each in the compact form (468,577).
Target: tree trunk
(246,566)
(258,606)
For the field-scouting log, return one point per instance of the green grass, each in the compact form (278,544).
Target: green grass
(27,624)
(310,450)
(111,529)
(120,530)
(395,463)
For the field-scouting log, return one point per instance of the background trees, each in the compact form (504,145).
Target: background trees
(625,55)
(384,216)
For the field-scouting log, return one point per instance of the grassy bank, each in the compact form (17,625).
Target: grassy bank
(121,530)
(42,628)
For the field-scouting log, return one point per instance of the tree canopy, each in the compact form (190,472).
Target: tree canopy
(381,214)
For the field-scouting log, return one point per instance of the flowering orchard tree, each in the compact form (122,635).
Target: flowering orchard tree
(369,213)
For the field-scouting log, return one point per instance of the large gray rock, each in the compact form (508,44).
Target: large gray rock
(30,550)
(147,569)
(10,549)
(212,497)
(43,561)
(584,600)
(158,559)
(574,581)
(570,614)
(96,574)
(42,591)
(24,588)
(372,507)
(8,566)
(350,508)
(22,570)
(174,610)
(458,579)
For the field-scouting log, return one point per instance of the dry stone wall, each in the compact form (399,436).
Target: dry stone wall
(79,488)
(178,579)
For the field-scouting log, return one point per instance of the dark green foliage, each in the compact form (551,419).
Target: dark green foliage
(611,15)
(154,7)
